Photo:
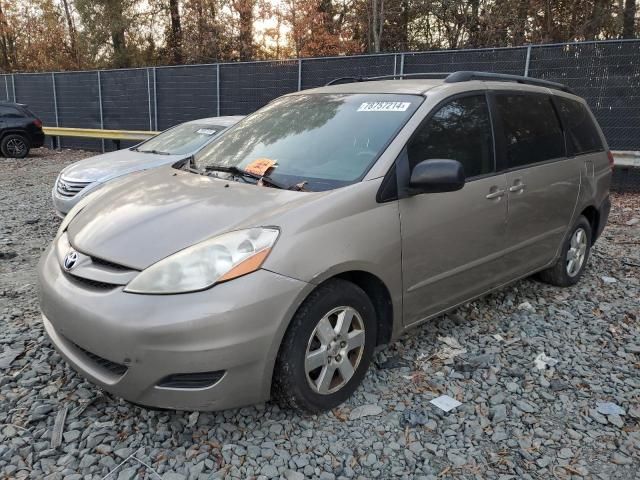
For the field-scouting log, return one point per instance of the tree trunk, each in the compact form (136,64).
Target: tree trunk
(596,21)
(377,23)
(174,42)
(118,39)
(72,34)
(520,26)
(245,37)
(628,19)
(474,23)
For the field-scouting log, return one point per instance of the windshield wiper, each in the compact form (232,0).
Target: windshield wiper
(233,170)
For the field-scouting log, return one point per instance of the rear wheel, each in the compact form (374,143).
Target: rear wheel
(327,349)
(573,258)
(14,146)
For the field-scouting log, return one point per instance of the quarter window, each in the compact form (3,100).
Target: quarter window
(460,130)
(531,128)
(583,136)
(10,112)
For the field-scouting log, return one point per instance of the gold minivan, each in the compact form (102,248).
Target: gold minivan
(274,261)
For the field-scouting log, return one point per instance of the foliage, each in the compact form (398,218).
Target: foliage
(37,35)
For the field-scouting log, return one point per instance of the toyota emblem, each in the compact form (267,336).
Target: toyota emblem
(70,260)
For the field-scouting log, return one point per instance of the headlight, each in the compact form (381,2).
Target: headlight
(213,261)
(73,212)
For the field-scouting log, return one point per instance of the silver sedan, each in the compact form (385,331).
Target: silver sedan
(179,142)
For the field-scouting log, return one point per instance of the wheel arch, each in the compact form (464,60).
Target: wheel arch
(592,215)
(14,131)
(373,286)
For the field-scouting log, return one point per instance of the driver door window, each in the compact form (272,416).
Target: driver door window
(459,130)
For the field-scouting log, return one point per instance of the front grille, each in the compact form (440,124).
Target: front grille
(91,283)
(108,365)
(70,188)
(107,264)
(191,380)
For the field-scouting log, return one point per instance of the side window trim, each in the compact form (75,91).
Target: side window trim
(501,138)
(400,167)
(569,150)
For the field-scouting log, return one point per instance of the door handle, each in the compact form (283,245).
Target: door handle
(518,187)
(495,194)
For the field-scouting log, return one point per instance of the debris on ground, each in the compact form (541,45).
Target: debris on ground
(445,403)
(542,362)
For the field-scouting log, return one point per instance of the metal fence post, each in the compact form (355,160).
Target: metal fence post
(218,88)
(149,99)
(55,141)
(155,98)
(395,61)
(13,87)
(526,63)
(299,74)
(100,105)
(401,64)
(6,86)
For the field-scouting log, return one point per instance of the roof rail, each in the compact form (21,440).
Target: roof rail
(337,81)
(465,76)
(460,76)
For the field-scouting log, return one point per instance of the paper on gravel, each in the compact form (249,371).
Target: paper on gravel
(445,402)
(542,361)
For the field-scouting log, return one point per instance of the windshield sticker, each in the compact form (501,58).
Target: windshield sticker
(206,131)
(260,166)
(383,107)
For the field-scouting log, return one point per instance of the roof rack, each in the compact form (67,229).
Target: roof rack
(337,81)
(460,76)
(465,76)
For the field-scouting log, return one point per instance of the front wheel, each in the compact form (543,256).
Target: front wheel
(327,349)
(14,146)
(573,258)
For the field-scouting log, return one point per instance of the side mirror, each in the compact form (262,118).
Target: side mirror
(436,175)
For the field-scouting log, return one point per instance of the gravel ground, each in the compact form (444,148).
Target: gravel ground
(515,421)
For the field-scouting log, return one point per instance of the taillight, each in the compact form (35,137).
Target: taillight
(611,160)
(38,123)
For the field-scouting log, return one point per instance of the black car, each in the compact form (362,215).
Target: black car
(20,130)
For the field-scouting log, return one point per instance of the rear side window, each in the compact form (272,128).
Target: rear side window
(531,128)
(582,133)
(459,130)
(10,112)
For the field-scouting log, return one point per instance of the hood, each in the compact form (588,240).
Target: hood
(113,164)
(143,218)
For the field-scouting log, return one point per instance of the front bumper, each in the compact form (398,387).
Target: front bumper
(63,204)
(235,327)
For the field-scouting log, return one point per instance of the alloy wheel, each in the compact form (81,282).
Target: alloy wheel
(15,147)
(577,252)
(334,350)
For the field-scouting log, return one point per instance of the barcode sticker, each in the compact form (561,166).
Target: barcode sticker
(384,107)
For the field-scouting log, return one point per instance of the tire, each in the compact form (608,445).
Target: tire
(296,388)
(563,273)
(14,145)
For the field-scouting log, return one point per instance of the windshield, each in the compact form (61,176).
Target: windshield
(181,139)
(325,140)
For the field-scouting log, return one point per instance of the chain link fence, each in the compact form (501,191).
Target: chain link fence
(605,73)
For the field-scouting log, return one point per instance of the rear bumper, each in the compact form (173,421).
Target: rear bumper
(37,139)
(603,211)
(129,344)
